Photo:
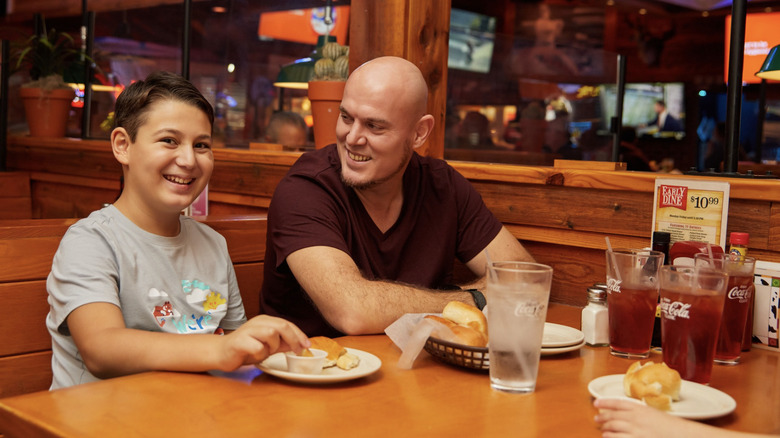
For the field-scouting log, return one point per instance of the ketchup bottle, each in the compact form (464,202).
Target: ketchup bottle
(681,253)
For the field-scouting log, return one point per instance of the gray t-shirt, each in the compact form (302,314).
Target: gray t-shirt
(183,284)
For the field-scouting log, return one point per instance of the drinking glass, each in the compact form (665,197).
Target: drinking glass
(518,293)
(739,292)
(632,288)
(691,309)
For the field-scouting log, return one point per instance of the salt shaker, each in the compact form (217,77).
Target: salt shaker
(595,321)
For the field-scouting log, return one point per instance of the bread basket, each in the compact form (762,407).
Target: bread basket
(474,358)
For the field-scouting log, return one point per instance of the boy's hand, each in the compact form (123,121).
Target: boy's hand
(259,338)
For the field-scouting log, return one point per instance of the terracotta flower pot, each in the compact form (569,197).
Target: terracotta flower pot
(47,111)
(325,97)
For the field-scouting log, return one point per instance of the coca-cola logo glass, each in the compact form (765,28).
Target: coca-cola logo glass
(692,302)
(675,309)
(632,288)
(633,269)
(739,270)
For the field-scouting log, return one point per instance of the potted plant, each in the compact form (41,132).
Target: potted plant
(48,57)
(325,90)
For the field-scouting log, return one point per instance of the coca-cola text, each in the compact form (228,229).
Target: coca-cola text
(676,309)
(689,328)
(735,312)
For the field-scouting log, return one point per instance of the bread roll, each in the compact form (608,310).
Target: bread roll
(629,376)
(441,320)
(463,335)
(662,402)
(466,315)
(469,336)
(347,361)
(654,383)
(333,348)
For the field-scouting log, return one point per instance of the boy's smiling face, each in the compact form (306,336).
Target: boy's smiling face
(171,161)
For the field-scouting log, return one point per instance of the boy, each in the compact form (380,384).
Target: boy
(130,277)
(287,128)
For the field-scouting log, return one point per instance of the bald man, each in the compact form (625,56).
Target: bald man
(366,230)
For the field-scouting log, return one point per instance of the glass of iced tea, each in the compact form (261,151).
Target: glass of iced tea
(739,292)
(632,297)
(691,309)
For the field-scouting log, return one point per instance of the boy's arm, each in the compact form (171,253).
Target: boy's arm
(110,349)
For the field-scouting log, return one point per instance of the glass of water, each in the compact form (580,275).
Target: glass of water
(518,295)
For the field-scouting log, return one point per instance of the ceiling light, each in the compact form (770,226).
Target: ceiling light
(771,67)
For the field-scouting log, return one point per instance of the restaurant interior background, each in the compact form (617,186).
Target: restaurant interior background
(528,81)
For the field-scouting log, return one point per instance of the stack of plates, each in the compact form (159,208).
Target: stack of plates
(561,339)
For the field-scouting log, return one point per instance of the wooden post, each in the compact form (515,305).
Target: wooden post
(416,30)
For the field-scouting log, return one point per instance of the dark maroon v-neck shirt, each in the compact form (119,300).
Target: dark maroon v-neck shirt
(442,218)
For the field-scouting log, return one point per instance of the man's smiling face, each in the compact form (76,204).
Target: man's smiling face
(374,133)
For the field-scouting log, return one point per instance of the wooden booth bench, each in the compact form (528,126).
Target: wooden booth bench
(27,247)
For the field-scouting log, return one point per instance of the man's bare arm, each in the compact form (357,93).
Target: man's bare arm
(504,247)
(353,304)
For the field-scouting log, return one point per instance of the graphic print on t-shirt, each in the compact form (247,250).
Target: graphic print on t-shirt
(160,312)
(202,312)
(199,292)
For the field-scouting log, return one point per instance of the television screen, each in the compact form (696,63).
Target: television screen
(304,25)
(472,37)
(640,109)
(760,35)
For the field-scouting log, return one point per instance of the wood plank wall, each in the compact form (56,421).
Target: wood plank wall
(562,215)
(15,200)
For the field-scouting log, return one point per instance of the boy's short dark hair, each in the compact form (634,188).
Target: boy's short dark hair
(133,103)
(281,118)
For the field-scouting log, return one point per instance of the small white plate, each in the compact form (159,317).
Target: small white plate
(276,365)
(557,335)
(697,401)
(558,350)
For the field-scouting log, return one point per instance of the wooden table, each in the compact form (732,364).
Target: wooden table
(432,399)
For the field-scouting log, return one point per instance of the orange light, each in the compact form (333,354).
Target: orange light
(760,36)
(302,25)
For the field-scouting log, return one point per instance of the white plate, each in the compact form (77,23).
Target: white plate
(556,335)
(558,350)
(697,401)
(276,365)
